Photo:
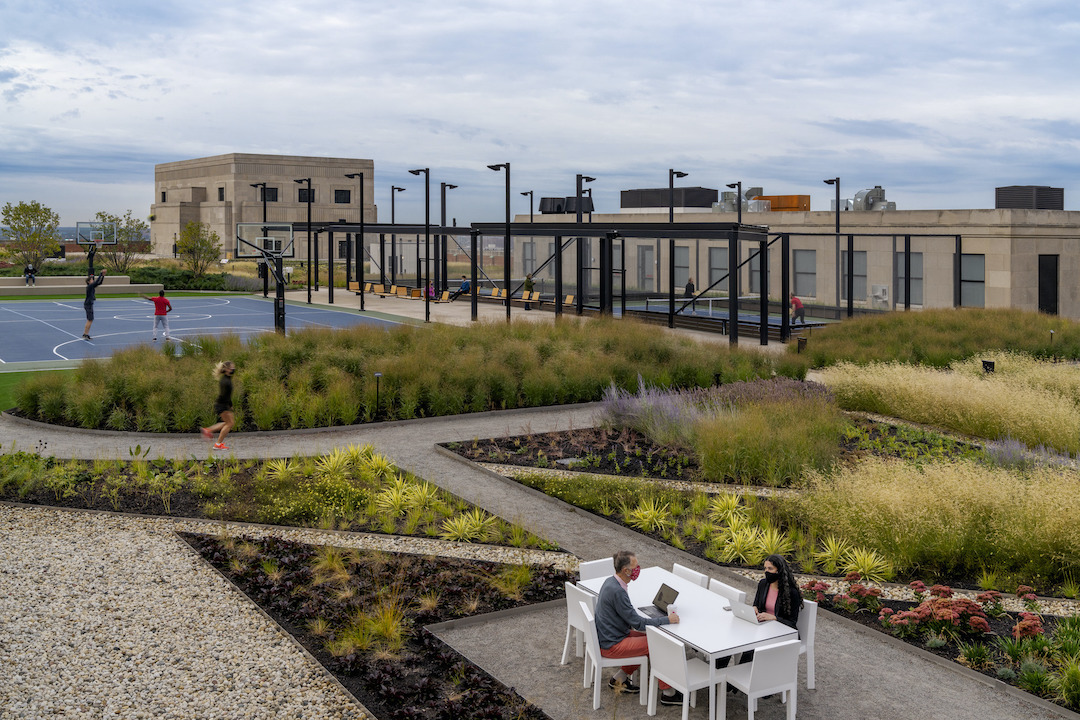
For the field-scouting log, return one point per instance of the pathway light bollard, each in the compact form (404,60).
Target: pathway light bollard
(988,366)
(1053,354)
(802,345)
(377,376)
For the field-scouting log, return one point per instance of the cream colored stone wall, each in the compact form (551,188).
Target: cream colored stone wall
(1010,240)
(191,190)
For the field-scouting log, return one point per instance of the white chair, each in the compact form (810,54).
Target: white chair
(692,575)
(806,625)
(576,624)
(597,568)
(775,669)
(599,662)
(669,663)
(725,590)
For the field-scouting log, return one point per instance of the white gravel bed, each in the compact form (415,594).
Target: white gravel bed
(104,616)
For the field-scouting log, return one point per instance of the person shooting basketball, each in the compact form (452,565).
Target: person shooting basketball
(88,303)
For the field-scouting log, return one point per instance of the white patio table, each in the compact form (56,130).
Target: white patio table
(704,623)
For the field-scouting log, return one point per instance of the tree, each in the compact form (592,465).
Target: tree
(130,241)
(198,247)
(31,231)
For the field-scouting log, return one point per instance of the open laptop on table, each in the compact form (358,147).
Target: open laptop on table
(665,596)
(744,612)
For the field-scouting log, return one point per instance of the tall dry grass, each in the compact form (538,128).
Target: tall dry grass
(986,406)
(952,520)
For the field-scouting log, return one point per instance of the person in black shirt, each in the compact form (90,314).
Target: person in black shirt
(223,371)
(88,303)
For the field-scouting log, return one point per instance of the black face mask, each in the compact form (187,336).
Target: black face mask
(772,577)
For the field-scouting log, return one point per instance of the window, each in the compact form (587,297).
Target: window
(162,196)
(221,194)
(718,257)
(805,268)
(268,194)
(972,280)
(305,195)
(916,278)
(646,267)
(528,257)
(682,266)
(343,197)
(859,272)
(755,271)
(342,248)
(550,269)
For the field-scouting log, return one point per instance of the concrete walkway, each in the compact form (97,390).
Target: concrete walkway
(860,673)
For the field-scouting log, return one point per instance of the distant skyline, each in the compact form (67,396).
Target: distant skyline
(937,102)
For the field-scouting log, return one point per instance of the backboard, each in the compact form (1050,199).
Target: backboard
(275,238)
(95,233)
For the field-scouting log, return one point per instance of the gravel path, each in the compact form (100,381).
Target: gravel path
(104,616)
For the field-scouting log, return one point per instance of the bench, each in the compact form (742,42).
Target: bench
(383,292)
(443,298)
(567,302)
(355,287)
(529,298)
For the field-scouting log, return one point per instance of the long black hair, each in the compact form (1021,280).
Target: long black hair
(789,589)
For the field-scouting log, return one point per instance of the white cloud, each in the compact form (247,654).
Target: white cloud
(936,101)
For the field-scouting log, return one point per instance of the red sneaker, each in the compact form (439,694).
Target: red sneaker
(221,446)
(207,434)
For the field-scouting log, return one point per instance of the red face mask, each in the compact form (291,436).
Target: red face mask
(635,572)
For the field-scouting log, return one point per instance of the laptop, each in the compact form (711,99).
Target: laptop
(665,596)
(744,612)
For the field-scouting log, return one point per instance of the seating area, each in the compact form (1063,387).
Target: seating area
(74,285)
(684,655)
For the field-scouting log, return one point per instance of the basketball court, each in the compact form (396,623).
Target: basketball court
(52,330)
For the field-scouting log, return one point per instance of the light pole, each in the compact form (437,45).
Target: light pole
(530,194)
(580,244)
(440,266)
(671,175)
(301,181)
(737,187)
(836,182)
(266,274)
(394,190)
(360,238)
(506,246)
(427,240)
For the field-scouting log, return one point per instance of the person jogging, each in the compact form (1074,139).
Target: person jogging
(162,307)
(223,371)
(88,303)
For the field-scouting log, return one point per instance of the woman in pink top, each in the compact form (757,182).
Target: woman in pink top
(778,596)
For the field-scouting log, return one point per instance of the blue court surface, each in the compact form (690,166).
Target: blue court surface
(52,329)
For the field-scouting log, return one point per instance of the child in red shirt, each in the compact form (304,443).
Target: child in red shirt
(162,306)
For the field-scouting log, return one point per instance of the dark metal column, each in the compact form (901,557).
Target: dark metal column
(763,284)
(474,236)
(907,272)
(558,276)
(785,285)
(330,264)
(851,276)
(733,287)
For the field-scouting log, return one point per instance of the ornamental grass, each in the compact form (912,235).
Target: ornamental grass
(939,337)
(320,378)
(985,405)
(951,519)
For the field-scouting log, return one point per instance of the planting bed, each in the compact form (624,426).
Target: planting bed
(363,616)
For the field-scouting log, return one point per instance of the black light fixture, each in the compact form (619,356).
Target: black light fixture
(672,174)
(360,238)
(301,181)
(442,282)
(427,240)
(530,194)
(581,179)
(506,245)
(737,187)
(394,190)
(836,182)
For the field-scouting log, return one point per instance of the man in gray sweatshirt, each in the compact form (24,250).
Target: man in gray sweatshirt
(621,628)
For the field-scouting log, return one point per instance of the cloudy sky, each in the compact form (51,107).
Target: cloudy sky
(937,101)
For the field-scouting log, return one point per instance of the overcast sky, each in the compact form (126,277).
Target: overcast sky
(939,101)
